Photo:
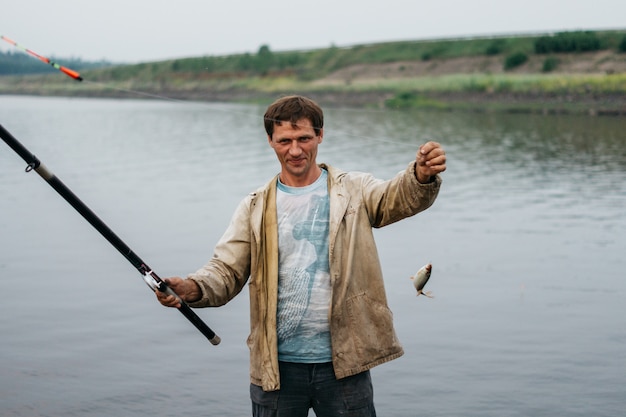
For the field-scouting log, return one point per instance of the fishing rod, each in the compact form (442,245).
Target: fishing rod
(149,276)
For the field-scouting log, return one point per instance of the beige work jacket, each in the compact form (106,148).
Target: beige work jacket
(361,326)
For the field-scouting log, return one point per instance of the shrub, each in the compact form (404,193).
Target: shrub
(495,47)
(622,45)
(550,64)
(515,60)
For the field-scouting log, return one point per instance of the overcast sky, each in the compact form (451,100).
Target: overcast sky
(152,30)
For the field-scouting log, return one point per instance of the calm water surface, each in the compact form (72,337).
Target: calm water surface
(527,240)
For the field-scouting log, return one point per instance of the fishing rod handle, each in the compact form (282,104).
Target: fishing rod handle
(157,284)
(200,325)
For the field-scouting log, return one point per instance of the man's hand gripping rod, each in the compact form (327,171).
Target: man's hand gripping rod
(156,283)
(152,279)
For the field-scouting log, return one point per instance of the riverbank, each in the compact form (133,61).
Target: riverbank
(587,103)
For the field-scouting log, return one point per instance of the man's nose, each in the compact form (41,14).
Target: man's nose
(295,148)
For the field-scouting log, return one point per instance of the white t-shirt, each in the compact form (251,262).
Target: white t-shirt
(303,277)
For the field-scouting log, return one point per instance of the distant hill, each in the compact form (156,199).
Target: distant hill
(511,52)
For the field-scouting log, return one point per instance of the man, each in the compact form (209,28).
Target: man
(318,310)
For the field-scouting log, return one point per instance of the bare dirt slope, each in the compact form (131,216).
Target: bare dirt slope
(604,62)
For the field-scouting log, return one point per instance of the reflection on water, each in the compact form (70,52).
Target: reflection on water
(526,238)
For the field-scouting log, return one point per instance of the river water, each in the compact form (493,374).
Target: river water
(527,241)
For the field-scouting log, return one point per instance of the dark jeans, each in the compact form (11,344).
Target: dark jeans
(304,386)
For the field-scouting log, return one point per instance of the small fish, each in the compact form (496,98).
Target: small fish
(421,278)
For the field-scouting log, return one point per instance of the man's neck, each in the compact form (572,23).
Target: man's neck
(295,181)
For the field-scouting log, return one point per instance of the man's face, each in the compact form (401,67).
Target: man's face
(296,149)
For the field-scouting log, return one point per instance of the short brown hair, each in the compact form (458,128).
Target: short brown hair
(292,109)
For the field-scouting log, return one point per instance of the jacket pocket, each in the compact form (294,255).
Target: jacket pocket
(256,357)
(371,326)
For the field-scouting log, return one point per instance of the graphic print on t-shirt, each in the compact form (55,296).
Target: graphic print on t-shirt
(304,283)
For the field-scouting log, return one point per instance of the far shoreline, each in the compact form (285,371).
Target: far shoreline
(603,104)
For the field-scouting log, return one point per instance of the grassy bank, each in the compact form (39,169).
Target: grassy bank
(567,72)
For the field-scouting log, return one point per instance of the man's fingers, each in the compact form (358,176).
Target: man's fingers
(426,148)
(435,157)
(436,160)
(167,300)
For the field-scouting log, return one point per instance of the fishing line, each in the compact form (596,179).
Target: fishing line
(137,92)
(76,76)
(161,97)
(338,132)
